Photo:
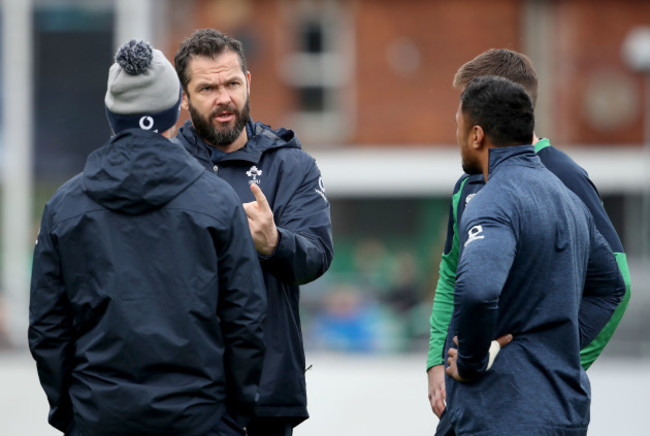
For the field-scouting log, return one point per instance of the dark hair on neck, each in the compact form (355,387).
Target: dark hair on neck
(208,43)
(501,107)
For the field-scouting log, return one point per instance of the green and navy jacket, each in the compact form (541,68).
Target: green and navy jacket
(577,180)
(532,263)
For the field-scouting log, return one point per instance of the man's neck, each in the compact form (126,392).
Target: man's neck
(535,139)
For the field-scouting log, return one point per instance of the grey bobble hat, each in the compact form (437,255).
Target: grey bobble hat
(143,90)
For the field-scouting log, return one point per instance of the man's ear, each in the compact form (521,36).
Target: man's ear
(185,104)
(477,137)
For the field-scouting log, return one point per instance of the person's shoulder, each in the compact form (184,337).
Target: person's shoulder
(559,161)
(267,137)
(71,187)
(66,198)
(208,182)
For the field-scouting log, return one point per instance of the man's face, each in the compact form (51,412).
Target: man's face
(218,98)
(469,156)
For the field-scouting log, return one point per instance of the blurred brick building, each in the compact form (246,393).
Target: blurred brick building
(378,72)
(366,84)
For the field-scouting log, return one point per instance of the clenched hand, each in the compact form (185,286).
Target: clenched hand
(452,369)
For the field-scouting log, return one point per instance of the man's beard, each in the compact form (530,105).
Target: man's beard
(215,136)
(472,167)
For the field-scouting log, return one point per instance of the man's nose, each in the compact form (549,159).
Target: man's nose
(222,97)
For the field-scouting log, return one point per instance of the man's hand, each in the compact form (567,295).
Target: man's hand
(437,393)
(260,222)
(452,369)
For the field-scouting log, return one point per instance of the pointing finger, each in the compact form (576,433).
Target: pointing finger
(259,195)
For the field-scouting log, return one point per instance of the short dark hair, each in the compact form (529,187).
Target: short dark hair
(500,62)
(501,107)
(208,43)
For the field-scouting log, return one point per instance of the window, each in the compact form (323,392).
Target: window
(319,72)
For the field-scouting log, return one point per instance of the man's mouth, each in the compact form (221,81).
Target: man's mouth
(224,117)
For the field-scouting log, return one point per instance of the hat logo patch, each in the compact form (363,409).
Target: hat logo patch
(146,122)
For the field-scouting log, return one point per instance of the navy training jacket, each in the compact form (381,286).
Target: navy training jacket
(577,180)
(147,301)
(293,186)
(533,264)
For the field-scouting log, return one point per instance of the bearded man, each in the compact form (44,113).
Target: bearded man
(284,198)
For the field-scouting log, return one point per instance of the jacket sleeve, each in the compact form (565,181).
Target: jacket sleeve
(592,350)
(443,300)
(481,277)
(305,249)
(577,180)
(584,188)
(50,330)
(242,310)
(603,290)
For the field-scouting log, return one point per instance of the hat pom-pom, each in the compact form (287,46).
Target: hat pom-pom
(134,57)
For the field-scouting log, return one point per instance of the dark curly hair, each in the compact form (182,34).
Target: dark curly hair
(208,43)
(501,107)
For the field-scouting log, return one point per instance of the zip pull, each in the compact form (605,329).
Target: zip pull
(309,367)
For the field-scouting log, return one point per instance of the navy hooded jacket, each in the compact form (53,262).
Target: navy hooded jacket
(532,264)
(147,301)
(292,184)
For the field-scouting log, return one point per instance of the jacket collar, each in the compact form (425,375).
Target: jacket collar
(500,155)
(260,139)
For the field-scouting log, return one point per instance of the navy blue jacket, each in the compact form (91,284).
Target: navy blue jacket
(577,180)
(292,184)
(533,264)
(146,301)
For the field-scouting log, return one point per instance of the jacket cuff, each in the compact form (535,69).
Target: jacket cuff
(263,258)
(472,371)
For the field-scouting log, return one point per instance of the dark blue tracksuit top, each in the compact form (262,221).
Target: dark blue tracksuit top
(146,301)
(293,186)
(532,264)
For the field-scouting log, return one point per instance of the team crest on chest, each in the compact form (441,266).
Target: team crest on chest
(253,174)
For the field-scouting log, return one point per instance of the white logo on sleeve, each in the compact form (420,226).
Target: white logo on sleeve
(321,191)
(473,234)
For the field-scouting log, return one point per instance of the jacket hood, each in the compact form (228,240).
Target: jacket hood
(137,171)
(261,138)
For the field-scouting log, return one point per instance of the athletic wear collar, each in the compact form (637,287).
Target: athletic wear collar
(499,155)
(541,144)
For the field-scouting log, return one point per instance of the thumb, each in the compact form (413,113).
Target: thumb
(504,340)
(495,347)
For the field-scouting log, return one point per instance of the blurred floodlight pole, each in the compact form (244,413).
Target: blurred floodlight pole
(17,125)
(133,20)
(636,53)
